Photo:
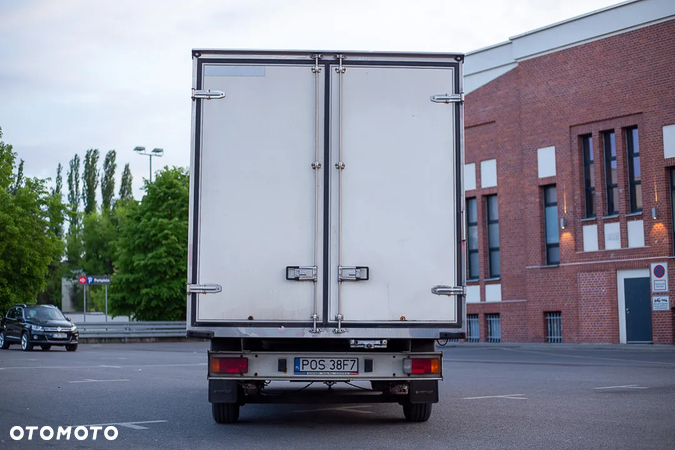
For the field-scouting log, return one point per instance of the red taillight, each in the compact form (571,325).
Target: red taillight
(423,366)
(229,365)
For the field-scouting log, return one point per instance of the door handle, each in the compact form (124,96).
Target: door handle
(627,310)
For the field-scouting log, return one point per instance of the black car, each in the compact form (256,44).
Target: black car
(43,325)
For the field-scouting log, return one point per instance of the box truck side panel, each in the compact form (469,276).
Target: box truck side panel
(395,209)
(257,205)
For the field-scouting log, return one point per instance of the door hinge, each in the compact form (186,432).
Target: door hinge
(204,288)
(301,273)
(207,94)
(448,290)
(448,98)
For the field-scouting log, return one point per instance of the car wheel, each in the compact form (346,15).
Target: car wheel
(71,347)
(417,412)
(3,342)
(46,347)
(225,412)
(26,346)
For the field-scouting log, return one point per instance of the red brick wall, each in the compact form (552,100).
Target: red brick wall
(616,82)
(598,307)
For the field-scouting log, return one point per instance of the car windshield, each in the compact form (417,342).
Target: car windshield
(44,314)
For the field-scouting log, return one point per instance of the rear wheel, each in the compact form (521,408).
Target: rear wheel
(417,412)
(26,346)
(225,412)
(3,342)
(46,347)
(71,347)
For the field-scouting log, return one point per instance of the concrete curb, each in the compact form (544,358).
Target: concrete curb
(135,340)
(553,347)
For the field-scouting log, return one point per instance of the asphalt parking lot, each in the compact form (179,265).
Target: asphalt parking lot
(501,396)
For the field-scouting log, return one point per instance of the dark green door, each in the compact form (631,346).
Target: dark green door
(638,310)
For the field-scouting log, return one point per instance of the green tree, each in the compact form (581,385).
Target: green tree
(74,237)
(90,180)
(126,189)
(27,244)
(151,249)
(98,233)
(56,214)
(108,182)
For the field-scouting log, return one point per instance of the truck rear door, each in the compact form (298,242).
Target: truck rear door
(255,212)
(397,199)
(326,194)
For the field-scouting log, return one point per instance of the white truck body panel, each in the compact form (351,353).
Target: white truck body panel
(254,195)
(397,192)
(257,207)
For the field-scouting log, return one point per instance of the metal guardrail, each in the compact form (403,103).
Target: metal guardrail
(131,330)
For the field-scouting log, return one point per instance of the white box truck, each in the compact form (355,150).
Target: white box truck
(326,225)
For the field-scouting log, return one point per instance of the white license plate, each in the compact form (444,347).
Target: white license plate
(59,336)
(326,366)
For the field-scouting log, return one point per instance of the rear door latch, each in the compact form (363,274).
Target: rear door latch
(353,273)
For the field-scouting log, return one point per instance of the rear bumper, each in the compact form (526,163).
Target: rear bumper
(283,366)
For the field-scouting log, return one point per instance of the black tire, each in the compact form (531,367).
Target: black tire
(71,347)
(3,342)
(26,346)
(225,412)
(45,347)
(417,412)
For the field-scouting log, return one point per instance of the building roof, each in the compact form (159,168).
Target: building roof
(484,65)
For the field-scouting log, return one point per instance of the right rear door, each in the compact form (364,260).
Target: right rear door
(396,202)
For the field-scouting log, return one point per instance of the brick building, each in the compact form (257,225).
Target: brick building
(570,180)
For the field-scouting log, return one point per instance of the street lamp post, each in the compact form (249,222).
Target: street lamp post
(155,152)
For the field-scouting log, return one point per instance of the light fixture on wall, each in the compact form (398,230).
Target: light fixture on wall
(654,215)
(562,223)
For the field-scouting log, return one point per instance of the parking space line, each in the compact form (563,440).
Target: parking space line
(132,425)
(508,396)
(102,366)
(628,386)
(343,408)
(87,380)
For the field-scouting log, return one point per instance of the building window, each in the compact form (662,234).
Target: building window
(472,232)
(553,327)
(493,235)
(473,332)
(610,173)
(551,225)
(634,175)
(589,177)
(494,328)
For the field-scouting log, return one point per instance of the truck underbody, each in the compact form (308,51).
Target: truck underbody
(251,370)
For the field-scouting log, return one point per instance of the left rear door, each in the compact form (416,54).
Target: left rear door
(259,201)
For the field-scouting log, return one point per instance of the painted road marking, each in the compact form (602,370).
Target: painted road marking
(344,408)
(509,396)
(132,425)
(102,366)
(628,386)
(87,380)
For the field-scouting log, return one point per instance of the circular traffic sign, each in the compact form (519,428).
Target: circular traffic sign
(659,271)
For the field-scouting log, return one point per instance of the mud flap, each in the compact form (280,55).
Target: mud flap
(223,391)
(424,391)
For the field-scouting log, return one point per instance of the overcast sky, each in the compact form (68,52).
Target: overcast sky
(80,74)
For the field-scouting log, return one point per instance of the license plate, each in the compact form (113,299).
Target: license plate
(59,336)
(326,366)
